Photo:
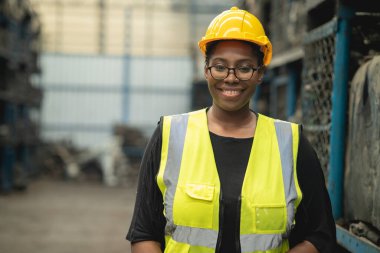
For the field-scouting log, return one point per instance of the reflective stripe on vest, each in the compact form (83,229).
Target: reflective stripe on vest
(285,143)
(252,239)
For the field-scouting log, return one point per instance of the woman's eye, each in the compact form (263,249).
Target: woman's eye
(244,69)
(220,68)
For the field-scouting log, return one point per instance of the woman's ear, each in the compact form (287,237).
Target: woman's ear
(261,72)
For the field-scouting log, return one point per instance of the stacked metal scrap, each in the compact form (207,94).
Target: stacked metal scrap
(133,142)
(64,161)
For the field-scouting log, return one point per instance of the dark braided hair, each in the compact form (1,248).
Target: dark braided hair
(210,47)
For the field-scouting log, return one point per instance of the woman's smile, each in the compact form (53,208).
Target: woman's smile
(231,93)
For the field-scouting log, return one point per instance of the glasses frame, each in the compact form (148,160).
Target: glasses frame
(234,71)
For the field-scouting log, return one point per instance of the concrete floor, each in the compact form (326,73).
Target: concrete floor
(66,217)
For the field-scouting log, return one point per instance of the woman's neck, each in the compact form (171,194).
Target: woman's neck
(239,124)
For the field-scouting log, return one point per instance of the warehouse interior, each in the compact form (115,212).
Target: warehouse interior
(84,83)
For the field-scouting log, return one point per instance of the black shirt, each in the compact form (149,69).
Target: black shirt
(231,158)
(314,221)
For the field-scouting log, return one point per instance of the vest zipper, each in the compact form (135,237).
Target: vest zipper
(237,229)
(221,217)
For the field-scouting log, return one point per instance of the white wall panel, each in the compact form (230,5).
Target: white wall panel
(70,107)
(83,97)
(158,86)
(160,72)
(146,109)
(82,70)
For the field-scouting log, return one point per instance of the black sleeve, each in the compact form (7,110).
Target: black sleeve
(314,220)
(148,221)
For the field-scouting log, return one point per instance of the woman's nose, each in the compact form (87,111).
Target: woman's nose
(231,77)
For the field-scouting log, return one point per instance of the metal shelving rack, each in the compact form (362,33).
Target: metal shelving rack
(19,50)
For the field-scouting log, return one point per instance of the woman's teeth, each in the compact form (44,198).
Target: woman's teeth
(231,92)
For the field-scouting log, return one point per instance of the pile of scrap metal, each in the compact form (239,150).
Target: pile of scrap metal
(116,163)
(132,140)
(62,160)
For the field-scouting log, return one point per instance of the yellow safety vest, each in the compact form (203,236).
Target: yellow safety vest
(190,186)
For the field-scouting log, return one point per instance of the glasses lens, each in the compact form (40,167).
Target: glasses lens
(244,73)
(219,72)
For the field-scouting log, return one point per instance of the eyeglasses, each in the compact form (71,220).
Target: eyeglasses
(221,72)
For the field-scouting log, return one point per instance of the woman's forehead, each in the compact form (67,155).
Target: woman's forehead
(233,50)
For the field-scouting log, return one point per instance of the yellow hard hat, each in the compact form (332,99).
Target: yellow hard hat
(236,24)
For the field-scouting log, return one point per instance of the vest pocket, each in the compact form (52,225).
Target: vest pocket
(200,191)
(193,205)
(176,247)
(271,219)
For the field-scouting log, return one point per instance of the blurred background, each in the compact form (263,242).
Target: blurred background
(84,83)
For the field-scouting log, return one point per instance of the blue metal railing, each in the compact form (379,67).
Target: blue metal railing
(291,92)
(339,109)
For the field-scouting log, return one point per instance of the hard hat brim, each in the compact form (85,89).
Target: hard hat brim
(266,46)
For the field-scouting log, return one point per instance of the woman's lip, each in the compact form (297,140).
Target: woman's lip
(231,92)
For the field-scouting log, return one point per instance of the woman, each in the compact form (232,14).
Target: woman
(226,179)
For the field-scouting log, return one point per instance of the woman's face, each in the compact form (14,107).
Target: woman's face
(232,94)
